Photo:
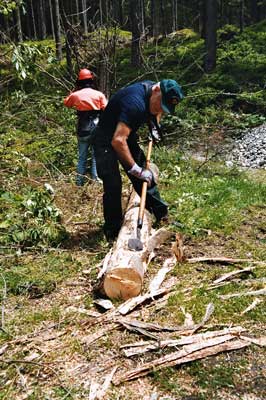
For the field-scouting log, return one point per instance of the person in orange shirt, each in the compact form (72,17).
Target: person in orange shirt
(89,103)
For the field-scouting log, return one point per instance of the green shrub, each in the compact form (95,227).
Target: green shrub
(30,219)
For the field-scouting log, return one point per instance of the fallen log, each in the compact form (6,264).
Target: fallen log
(124,269)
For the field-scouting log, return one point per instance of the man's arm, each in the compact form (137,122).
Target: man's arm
(120,146)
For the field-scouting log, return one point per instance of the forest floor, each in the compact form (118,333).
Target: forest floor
(55,344)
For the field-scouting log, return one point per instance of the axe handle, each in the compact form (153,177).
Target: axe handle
(144,189)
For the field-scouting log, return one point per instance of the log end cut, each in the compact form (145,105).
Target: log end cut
(122,283)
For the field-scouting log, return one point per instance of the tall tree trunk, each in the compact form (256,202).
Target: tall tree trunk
(211,32)
(142,17)
(84,16)
(182,13)
(101,11)
(254,11)
(156,17)
(42,19)
(27,27)
(69,44)
(33,21)
(77,11)
(241,16)
(118,11)
(164,22)
(18,23)
(51,18)
(106,12)
(135,10)
(202,19)
(57,27)
(174,15)
(5,34)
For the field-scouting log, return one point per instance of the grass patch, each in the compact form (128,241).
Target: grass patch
(36,278)
(212,197)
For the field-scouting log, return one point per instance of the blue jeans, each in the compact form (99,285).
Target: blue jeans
(84,142)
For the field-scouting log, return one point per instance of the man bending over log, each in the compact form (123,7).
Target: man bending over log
(115,140)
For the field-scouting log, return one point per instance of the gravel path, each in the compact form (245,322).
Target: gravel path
(250,149)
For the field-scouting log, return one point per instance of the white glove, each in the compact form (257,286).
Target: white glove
(141,173)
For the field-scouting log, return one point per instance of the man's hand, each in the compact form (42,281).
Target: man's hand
(144,174)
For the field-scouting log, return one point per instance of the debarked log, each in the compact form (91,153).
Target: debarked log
(123,269)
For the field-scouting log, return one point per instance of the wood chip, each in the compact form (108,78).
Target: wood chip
(209,311)
(94,387)
(156,282)
(107,382)
(130,304)
(178,248)
(32,356)
(188,318)
(104,303)
(3,349)
(232,274)
(251,306)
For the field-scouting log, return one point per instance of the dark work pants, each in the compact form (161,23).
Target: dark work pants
(108,171)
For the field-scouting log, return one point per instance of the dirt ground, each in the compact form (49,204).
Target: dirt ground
(71,346)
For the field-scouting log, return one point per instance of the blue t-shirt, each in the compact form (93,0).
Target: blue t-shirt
(129,105)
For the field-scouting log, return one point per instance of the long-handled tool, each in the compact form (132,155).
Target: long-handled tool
(136,243)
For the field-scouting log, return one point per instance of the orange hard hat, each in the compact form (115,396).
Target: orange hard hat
(85,74)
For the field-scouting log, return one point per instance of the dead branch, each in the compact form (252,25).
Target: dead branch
(233,274)
(260,292)
(144,327)
(4,291)
(188,353)
(258,341)
(223,260)
(143,347)
(88,340)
